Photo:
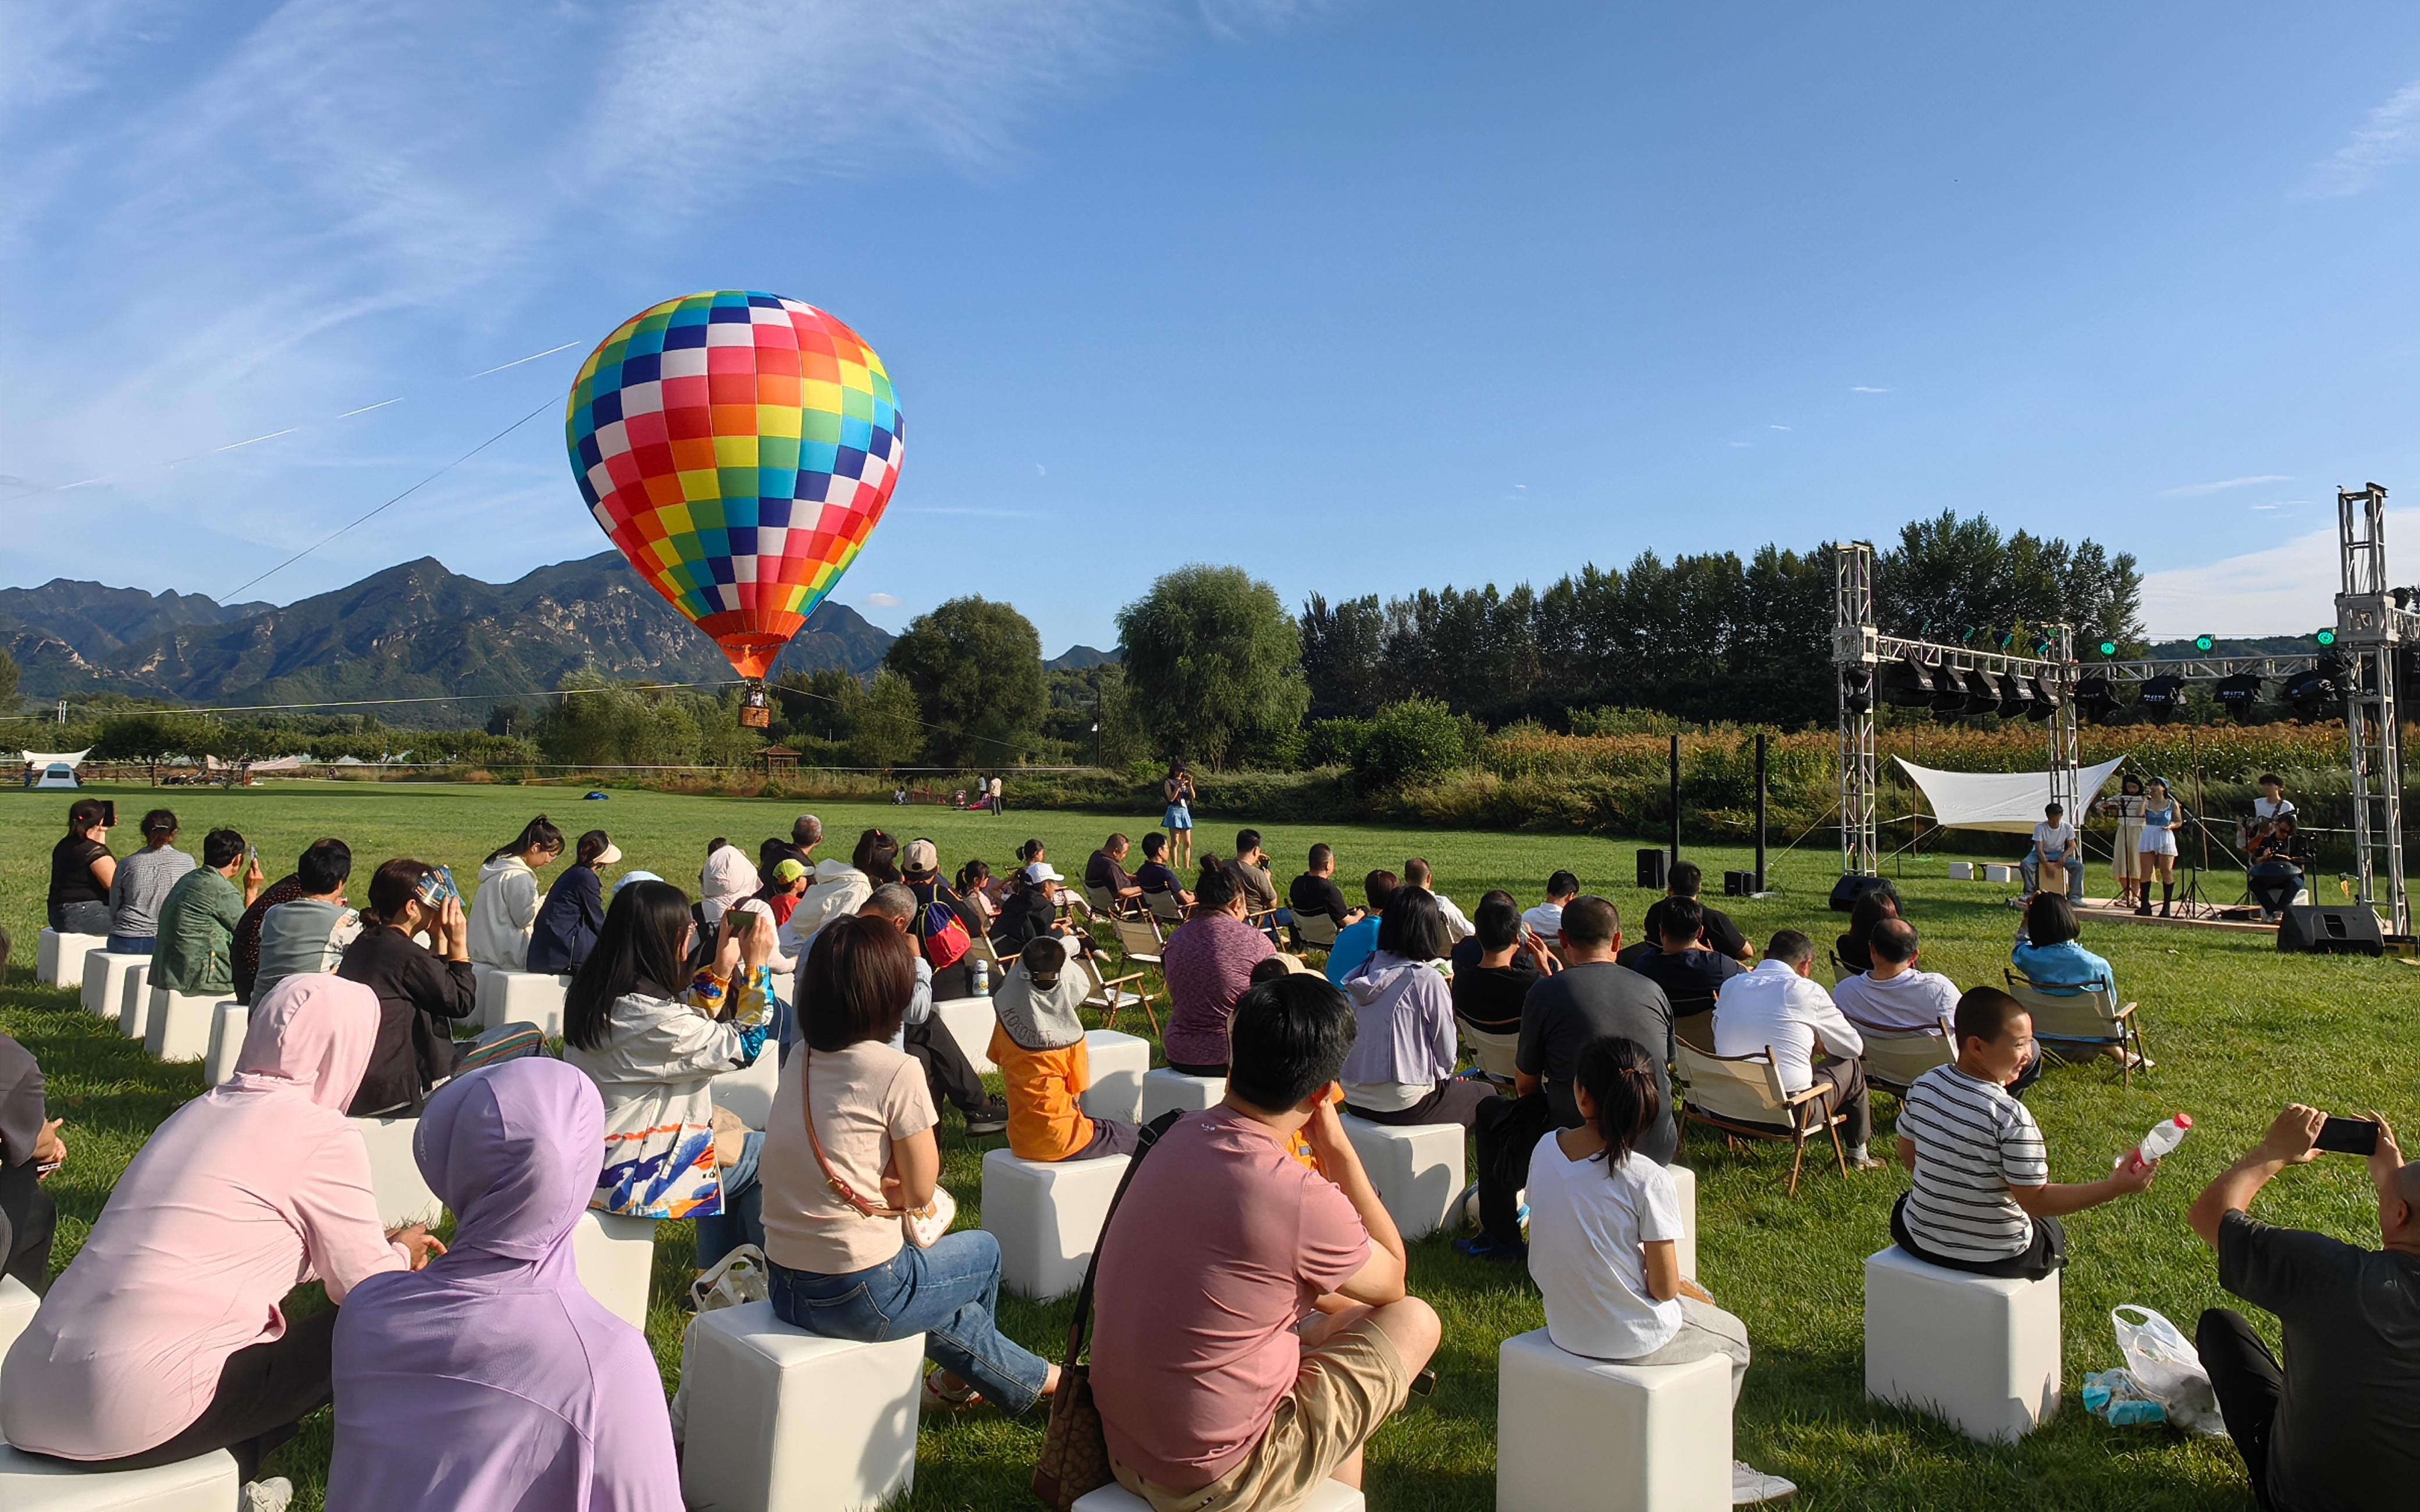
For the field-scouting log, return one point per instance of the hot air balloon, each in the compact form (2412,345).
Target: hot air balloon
(738,449)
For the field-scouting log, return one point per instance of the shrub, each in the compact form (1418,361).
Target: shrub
(1334,742)
(1418,740)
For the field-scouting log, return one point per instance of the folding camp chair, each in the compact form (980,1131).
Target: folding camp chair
(1742,1096)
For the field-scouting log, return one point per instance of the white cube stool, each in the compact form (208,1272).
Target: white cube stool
(207,1484)
(1962,870)
(18,1304)
(616,1256)
(1579,1435)
(105,979)
(968,1022)
(58,959)
(1999,874)
(522,997)
(229,1022)
(1047,1218)
(134,1001)
(747,1093)
(1980,1352)
(177,1025)
(1120,1062)
(779,1418)
(1164,1091)
(1417,1168)
(1685,1187)
(1331,1496)
(402,1192)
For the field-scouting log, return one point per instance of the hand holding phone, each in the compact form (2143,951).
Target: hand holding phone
(2349,1136)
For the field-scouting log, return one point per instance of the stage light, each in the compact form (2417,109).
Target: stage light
(2325,639)
(2046,700)
(2204,643)
(2016,695)
(2315,694)
(2237,694)
(1982,691)
(1908,684)
(1857,689)
(2096,699)
(2159,697)
(1949,691)
(2109,648)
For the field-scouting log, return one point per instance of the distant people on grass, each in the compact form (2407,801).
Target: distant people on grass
(727,880)
(565,930)
(1545,920)
(1212,1393)
(140,884)
(1871,907)
(1679,960)
(422,992)
(82,872)
(1589,999)
(2163,816)
(538,1394)
(506,908)
(1982,1200)
(195,952)
(1315,894)
(1207,964)
(2337,1424)
(851,1146)
(1176,814)
(653,1036)
(31,1152)
(311,932)
(1605,1226)
(998,800)
(1157,875)
(1400,1070)
(1355,941)
(1723,937)
(2126,849)
(1416,874)
(165,1338)
(1779,1006)
(1105,869)
(2054,850)
(1038,1044)
(947,1075)
(1494,968)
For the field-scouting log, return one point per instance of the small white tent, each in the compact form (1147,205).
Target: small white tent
(2010,803)
(53,769)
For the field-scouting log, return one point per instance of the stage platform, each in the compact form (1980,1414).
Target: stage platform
(2245,919)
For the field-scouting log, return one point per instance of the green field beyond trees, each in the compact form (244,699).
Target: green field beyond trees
(2236,1029)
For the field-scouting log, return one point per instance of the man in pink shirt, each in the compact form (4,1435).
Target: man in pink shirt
(1251,1328)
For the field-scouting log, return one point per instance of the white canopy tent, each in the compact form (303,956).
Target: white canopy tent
(2010,803)
(38,760)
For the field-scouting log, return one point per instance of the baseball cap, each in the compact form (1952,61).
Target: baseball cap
(1042,872)
(921,857)
(790,870)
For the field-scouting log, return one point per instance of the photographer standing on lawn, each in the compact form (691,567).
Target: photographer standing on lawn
(2338,1427)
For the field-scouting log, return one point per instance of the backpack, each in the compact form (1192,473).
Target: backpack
(946,944)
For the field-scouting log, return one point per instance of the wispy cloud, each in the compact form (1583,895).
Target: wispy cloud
(2196,491)
(1861,388)
(880,601)
(2286,589)
(2386,138)
(1777,427)
(1741,446)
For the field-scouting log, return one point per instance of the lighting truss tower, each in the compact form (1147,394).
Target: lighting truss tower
(2372,623)
(1854,647)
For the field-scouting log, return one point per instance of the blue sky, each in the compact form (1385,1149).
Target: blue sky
(1362,296)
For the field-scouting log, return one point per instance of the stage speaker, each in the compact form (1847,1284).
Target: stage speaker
(2331,928)
(1653,873)
(1739,884)
(1851,888)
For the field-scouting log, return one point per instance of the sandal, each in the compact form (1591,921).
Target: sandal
(936,1397)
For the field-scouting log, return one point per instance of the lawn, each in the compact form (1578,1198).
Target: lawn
(2236,1029)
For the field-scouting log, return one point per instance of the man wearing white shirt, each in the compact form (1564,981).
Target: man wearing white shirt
(2054,846)
(1457,923)
(1895,997)
(2272,801)
(1779,1006)
(1545,920)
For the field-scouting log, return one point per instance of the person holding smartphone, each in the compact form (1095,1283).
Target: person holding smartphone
(2339,1423)
(422,992)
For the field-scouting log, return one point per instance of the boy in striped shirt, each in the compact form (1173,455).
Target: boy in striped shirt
(1983,1200)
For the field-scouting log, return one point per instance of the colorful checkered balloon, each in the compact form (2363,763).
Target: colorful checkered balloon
(739,448)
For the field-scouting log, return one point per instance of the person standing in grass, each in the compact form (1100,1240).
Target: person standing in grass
(1176,815)
(197,920)
(1604,1226)
(141,885)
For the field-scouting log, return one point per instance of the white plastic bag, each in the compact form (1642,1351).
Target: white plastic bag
(739,1277)
(2168,1367)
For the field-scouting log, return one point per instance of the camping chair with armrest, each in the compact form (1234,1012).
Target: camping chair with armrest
(2082,1017)
(1693,1023)
(1742,1096)
(1316,932)
(1840,969)
(1164,907)
(1894,1061)
(1108,994)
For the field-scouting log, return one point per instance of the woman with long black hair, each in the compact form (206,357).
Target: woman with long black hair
(506,909)
(565,928)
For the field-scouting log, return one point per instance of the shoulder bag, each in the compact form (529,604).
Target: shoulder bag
(923,1226)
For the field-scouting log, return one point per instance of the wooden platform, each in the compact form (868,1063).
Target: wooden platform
(2110,911)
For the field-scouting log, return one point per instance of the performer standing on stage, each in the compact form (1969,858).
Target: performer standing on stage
(2163,816)
(2125,855)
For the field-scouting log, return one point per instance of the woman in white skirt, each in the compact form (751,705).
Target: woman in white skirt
(2163,816)
(2125,855)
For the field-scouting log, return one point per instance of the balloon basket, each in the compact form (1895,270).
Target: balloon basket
(756,708)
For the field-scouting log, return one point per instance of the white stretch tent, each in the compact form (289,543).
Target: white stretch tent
(2008,802)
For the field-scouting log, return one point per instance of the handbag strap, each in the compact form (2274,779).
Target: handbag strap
(1080,1329)
(832,1178)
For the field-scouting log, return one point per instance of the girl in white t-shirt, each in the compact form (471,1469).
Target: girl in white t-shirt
(1603,1220)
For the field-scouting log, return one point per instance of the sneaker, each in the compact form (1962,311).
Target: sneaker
(991,1119)
(1484,1248)
(272,1495)
(1751,1486)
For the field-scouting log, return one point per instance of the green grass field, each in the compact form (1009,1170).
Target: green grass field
(2236,1029)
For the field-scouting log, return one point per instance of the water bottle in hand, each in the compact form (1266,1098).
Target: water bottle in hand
(2164,1137)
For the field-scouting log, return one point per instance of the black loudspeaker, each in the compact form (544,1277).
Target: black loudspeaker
(2326,928)
(1653,874)
(1739,884)
(1851,888)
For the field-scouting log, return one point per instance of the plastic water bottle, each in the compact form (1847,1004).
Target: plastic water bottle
(2164,1137)
(982,978)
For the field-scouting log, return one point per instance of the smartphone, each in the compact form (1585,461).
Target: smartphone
(109,813)
(2349,1136)
(251,858)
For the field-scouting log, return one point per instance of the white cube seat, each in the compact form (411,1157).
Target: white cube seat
(18,1305)
(229,1022)
(1999,874)
(402,1192)
(616,1256)
(1980,1352)
(968,1022)
(1580,1435)
(1417,1168)
(520,998)
(1962,870)
(177,1025)
(747,1093)
(1331,1496)
(1119,1063)
(58,959)
(105,979)
(777,1418)
(1165,1091)
(1047,1218)
(1684,1188)
(203,1483)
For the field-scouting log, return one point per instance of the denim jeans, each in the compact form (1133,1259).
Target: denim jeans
(741,1220)
(2073,864)
(132,944)
(948,1293)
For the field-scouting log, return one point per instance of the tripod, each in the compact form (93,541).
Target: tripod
(2194,903)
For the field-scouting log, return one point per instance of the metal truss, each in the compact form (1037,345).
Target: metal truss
(2372,623)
